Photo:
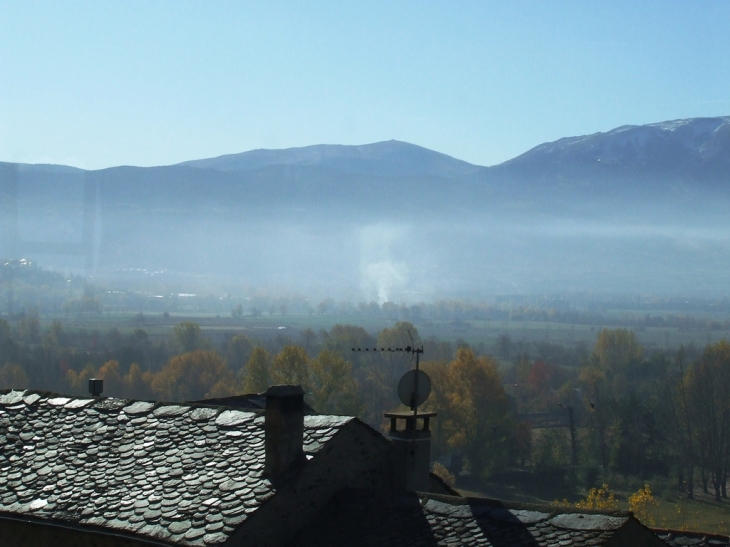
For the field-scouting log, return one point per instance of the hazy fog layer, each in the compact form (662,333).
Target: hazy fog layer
(392,221)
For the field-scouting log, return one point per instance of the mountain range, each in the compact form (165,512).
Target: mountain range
(633,209)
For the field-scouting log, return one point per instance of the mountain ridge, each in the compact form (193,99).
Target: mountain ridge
(675,147)
(394,158)
(650,216)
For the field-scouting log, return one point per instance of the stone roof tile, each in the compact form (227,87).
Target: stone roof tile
(186,474)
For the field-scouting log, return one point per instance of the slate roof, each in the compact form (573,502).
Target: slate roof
(683,538)
(248,401)
(363,518)
(181,473)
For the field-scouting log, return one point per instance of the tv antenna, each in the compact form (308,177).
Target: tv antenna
(412,445)
(414,386)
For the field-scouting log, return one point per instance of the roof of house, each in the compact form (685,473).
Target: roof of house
(181,473)
(247,401)
(191,474)
(363,518)
(684,538)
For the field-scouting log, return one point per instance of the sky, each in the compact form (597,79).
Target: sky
(99,84)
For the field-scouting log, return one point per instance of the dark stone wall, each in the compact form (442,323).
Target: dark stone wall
(356,457)
(17,533)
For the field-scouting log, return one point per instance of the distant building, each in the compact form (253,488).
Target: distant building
(113,472)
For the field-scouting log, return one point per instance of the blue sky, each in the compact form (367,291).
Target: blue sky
(98,84)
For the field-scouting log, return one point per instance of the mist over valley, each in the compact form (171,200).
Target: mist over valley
(636,210)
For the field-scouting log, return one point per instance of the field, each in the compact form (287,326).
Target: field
(482,334)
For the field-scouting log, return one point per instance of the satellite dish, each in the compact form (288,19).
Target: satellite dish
(414,388)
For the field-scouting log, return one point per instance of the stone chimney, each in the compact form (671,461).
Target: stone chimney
(412,450)
(284,428)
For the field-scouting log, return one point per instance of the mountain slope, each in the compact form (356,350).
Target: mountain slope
(391,158)
(693,149)
(397,219)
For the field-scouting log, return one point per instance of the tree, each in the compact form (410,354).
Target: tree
(290,366)
(188,336)
(13,376)
(478,420)
(709,395)
(682,429)
(113,381)
(386,370)
(256,377)
(238,351)
(138,384)
(616,350)
(77,381)
(593,380)
(504,344)
(193,376)
(334,389)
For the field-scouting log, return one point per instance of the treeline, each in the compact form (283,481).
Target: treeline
(26,287)
(188,366)
(633,413)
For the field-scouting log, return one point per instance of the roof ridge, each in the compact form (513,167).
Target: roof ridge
(545,508)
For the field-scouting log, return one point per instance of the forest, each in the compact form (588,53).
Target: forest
(539,398)
(637,413)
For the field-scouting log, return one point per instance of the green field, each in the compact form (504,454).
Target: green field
(480,334)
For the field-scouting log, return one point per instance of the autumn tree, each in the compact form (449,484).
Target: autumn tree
(238,352)
(113,380)
(334,389)
(386,368)
(13,376)
(291,366)
(193,376)
(78,381)
(188,336)
(138,383)
(256,375)
(479,415)
(440,401)
(616,350)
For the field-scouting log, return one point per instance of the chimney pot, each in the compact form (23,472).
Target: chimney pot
(96,386)
(283,428)
(412,449)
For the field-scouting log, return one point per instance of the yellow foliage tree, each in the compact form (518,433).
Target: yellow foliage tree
(475,415)
(78,381)
(113,381)
(291,366)
(597,498)
(193,376)
(255,376)
(640,503)
(13,376)
(616,349)
(334,389)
